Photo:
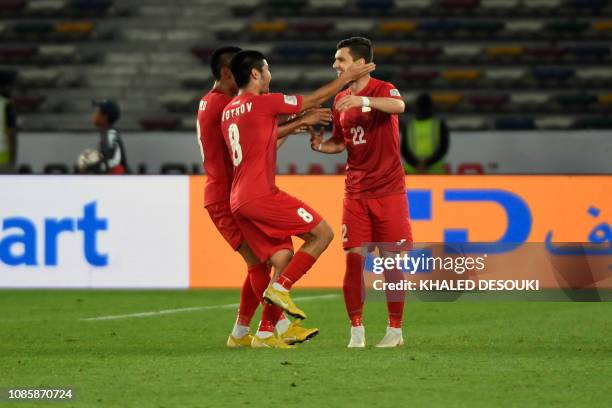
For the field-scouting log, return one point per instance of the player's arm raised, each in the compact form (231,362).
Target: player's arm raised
(322,94)
(383,104)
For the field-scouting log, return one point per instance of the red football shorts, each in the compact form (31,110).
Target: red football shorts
(221,215)
(384,219)
(268,223)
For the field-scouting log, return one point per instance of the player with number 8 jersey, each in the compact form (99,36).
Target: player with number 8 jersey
(267,216)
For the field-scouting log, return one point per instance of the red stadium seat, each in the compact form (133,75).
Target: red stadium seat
(12,6)
(160,123)
(422,52)
(422,75)
(492,101)
(459,4)
(15,53)
(28,103)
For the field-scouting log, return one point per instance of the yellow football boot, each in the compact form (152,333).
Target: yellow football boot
(244,341)
(296,334)
(270,342)
(283,300)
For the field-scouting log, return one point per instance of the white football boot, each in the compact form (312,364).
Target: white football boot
(393,338)
(357,337)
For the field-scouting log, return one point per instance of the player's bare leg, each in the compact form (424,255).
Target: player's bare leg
(353,289)
(395,307)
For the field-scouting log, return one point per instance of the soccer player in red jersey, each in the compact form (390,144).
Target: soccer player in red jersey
(219,170)
(375,206)
(267,216)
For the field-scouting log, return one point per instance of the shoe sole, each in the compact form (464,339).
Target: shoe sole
(310,336)
(292,314)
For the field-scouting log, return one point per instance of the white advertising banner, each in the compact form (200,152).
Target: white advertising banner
(94,232)
(491,152)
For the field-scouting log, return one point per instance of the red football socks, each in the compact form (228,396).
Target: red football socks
(251,294)
(395,299)
(298,266)
(353,288)
(269,317)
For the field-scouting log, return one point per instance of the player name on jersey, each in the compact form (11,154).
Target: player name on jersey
(235,112)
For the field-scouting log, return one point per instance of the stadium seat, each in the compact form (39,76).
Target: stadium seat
(34,29)
(577,100)
(380,6)
(160,123)
(243,8)
(461,75)
(422,53)
(541,5)
(459,5)
(505,52)
(75,29)
(92,5)
(300,53)
(348,28)
(446,99)
(203,53)
(603,122)
(288,76)
(589,51)
(505,75)
(523,28)
(229,29)
(385,52)
(57,53)
(319,76)
(396,28)
(553,73)
(28,103)
(284,7)
(16,53)
(439,27)
(8,76)
(588,5)
(199,78)
(461,52)
(605,99)
(413,6)
(174,168)
(38,77)
(12,6)
(326,7)
(269,27)
(547,51)
(419,75)
(482,27)
(491,101)
(530,99)
(45,7)
(594,75)
(568,28)
(603,27)
(555,122)
(498,6)
(514,123)
(467,123)
(313,29)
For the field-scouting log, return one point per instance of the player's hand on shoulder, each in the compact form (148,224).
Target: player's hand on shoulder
(348,102)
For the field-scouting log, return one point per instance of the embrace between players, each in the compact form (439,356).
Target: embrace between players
(240,127)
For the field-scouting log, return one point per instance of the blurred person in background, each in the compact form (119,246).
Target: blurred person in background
(425,140)
(8,132)
(110,157)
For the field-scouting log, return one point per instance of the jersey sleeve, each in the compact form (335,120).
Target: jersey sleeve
(387,90)
(279,104)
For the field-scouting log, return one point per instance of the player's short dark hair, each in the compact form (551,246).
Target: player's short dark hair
(243,63)
(221,57)
(359,47)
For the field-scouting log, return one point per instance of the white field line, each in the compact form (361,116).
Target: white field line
(193,309)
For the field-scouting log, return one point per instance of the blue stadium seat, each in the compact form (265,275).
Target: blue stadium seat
(590,5)
(553,73)
(591,51)
(515,123)
(92,5)
(439,27)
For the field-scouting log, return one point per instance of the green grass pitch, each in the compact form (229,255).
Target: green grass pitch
(473,354)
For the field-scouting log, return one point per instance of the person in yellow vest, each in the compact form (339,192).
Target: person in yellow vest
(425,140)
(8,133)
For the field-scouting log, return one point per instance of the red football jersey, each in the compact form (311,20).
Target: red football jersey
(217,163)
(374,168)
(250,130)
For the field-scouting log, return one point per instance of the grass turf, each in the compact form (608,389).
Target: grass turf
(476,354)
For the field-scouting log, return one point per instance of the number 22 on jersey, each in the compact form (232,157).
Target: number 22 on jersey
(358,135)
(234,138)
